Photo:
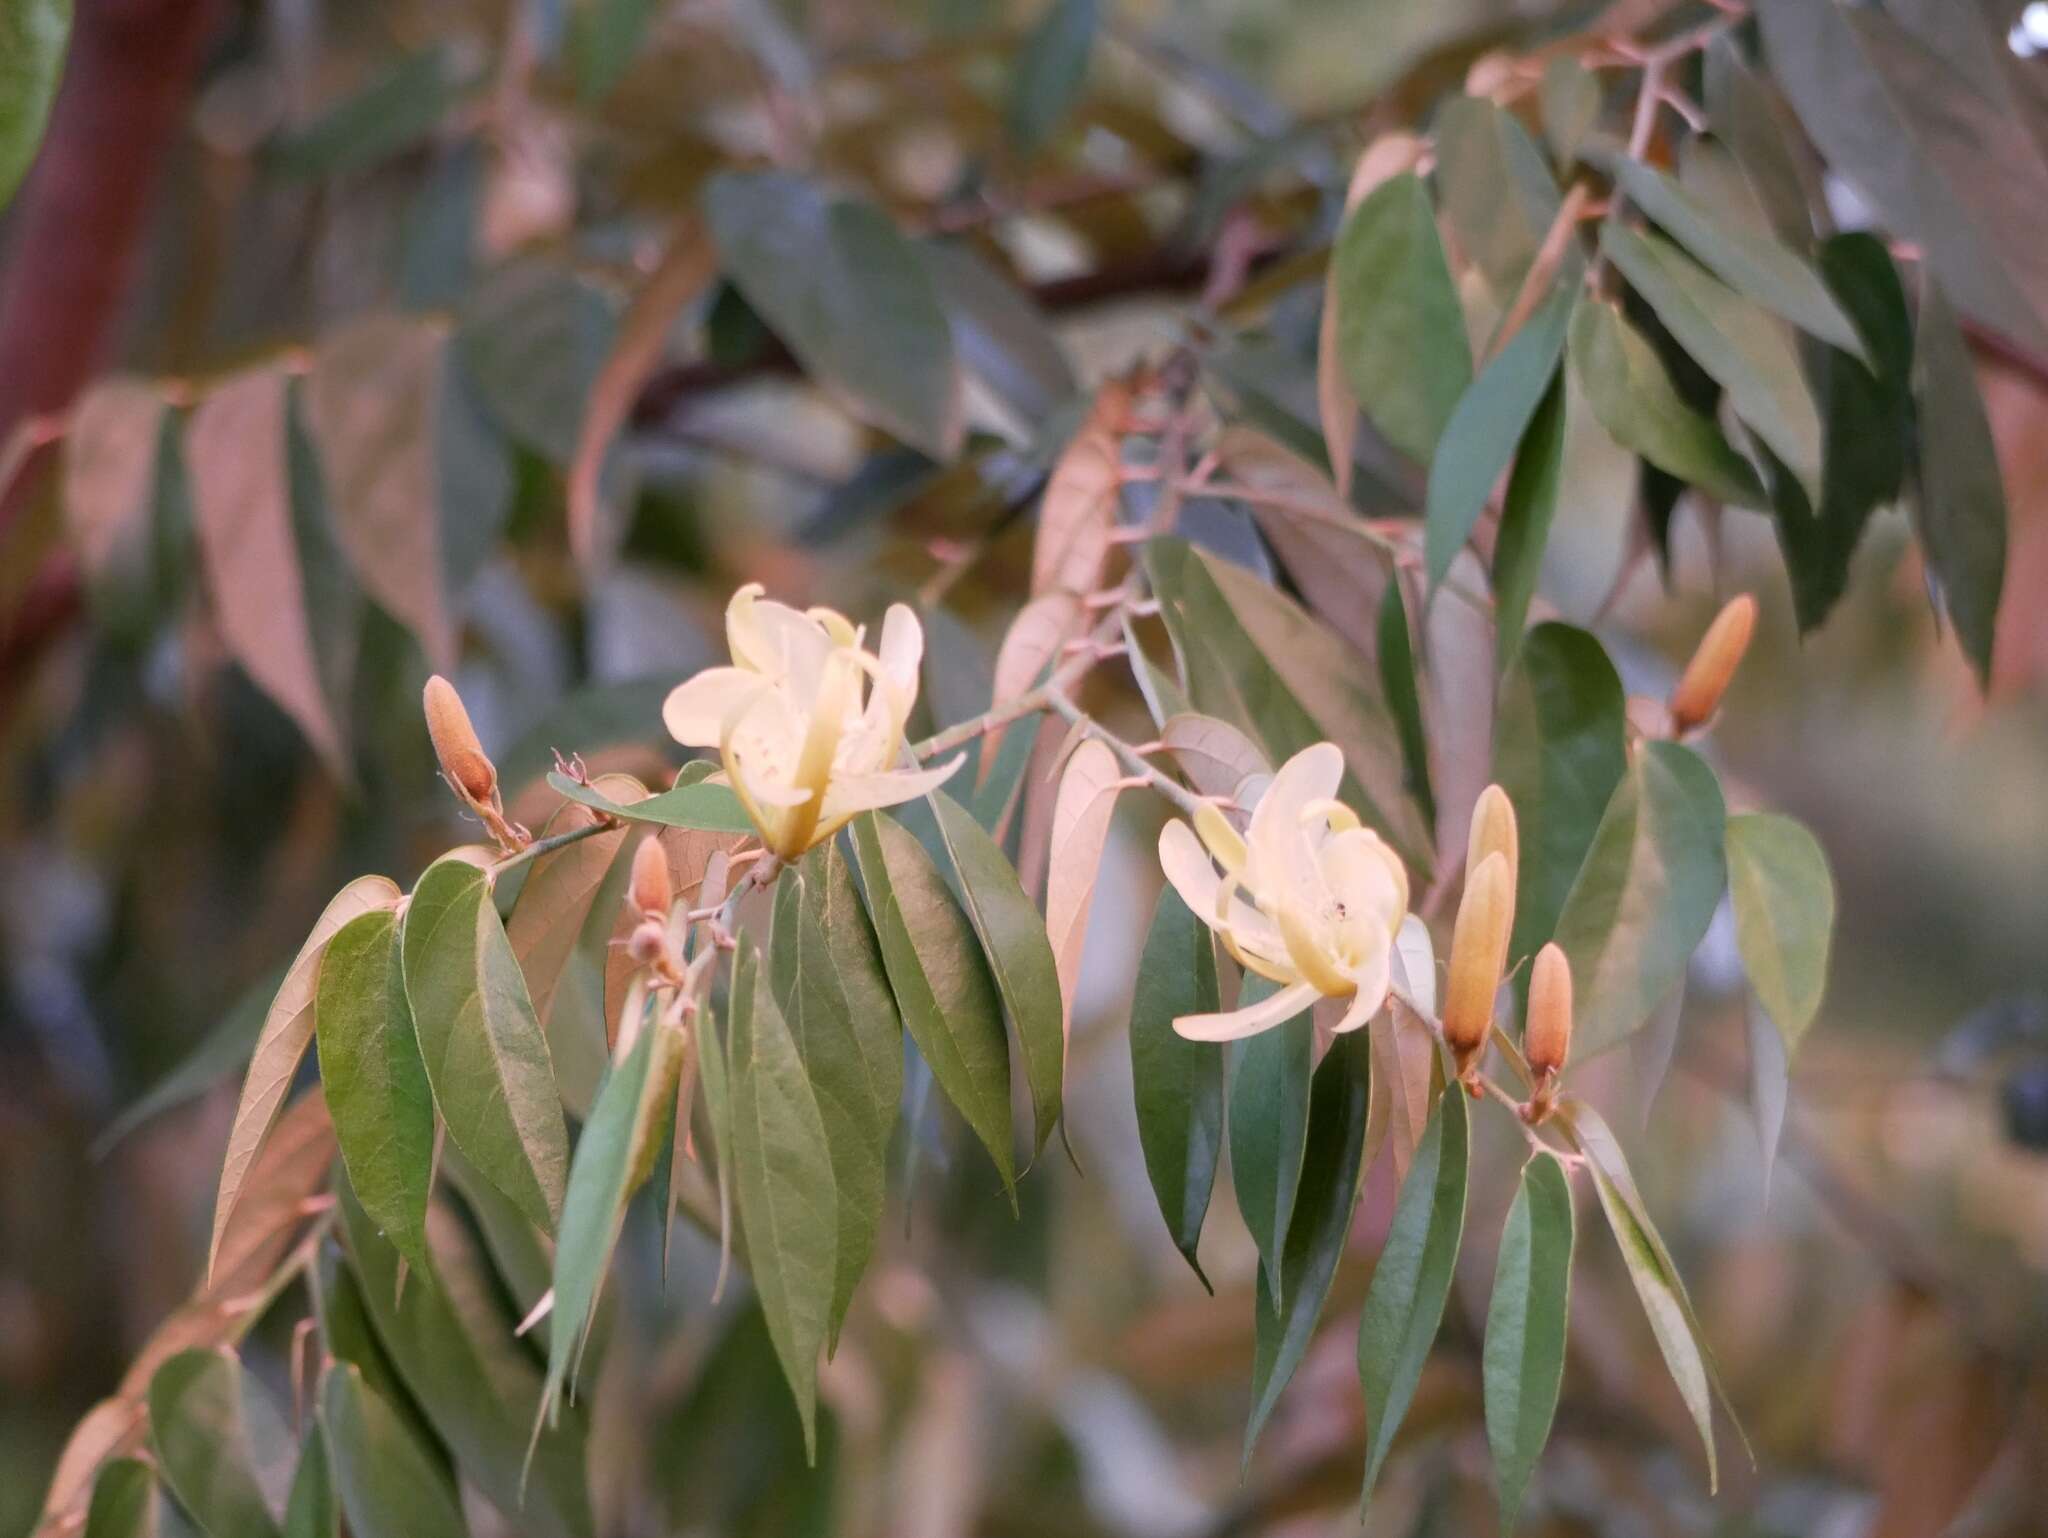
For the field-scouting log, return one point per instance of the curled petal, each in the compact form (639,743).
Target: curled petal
(851,794)
(1372,981)
(697,709)
(1236,1024)
(1309,948)
(770,638)
(1367,879)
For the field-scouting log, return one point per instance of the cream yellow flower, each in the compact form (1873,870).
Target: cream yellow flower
(1307,897)
(808,722)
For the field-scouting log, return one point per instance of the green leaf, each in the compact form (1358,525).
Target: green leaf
(1753,119)
(1013,938)
(32,38)
(940,980)
(1319,1227)
(1400,328)
(375,1083)
(1746,351)
(483,1048)
(604,35)
(399,107)
(782,1168)
(1177,1084)
(1269,1099)
(212,1432)
(532,341)
(449,1337)
(1867,428)
(1657,1283)
(1784,915)
(1632,395)
(1569,102)
(1257,660)
(1559,751)
(1498,195)
(126,1502)
(1051,71)
(389,1486)
(837,282)
(607,1168)
(1526,514)
(1961,503)
(1748,259)
(1412,1279)
(1001,335)
(1525,1327)
(219,1053)
(709,808)
(1480,439)
(1648,889)
(1395,654)
(313,1509)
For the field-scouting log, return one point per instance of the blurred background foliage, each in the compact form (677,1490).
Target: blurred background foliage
(229,188)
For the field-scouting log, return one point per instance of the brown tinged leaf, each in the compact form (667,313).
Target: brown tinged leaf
(1078,511)
(685,270)
(109,461)
(1479,950)
(1707,676)
(1080,829)
(1547,1039)
(1030,646)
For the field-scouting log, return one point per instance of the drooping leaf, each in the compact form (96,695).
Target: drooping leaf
(782,1168)
(1747,352)
(212,1431)
(1752,118)
(1002,337)
(839,284)
(484,1051)
(1412,1279)
(1748,259)
(281,1046)
(1395,653)
(313,1510)
(1559,753)
(111,460)
(126,1502)
(1914,134)
(1633,396)
(1216,757)
(1080,831)
(1961,502)
(1269,1104)
(1388,155)
(1656,1279)
(238,454)
(1569,102)
(449,1337)
(1770,1083)
(1407,1068)
(826,971)
(32,38)
(1400,328)
(1525,1327)
(1317,1230)
(113,1428)
(1784,915)
(1051,71)
(941,983)
(1256,660)
(1177,1084)
(1492,416)
(1077,513)
(1525,519)
(1020,955)
(388,1484)
(375,1083)
(689,804)
(1642,900)
(1498,195)
(533,341)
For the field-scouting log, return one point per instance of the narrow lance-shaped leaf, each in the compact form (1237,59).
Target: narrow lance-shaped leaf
(281,1045)
(313,1509)
(1784,915)
(1080,832)
(1269,1101)
(1523,1362)
(1642,901)
(1020,955)
(1051,71)
(1525,519)
(212,1432)
(126,1503)
(1178,1084)
(484,1052)
(375,1083)
(1498,196)
(689,804)
(782,1168)
(1412,1280)
(1316,1233)
(940,981)
(389,1486)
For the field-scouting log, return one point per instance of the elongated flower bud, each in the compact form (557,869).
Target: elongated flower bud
(462,755)
(1548,1038)
(1493,832)
(1706,677)
(1479,950)
(652,888)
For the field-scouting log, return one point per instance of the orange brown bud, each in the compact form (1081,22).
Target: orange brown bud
(1548,1037)
(1493,832)
(648,942)
(652,890)
(1479,950)
(462,755)
(1713,665)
